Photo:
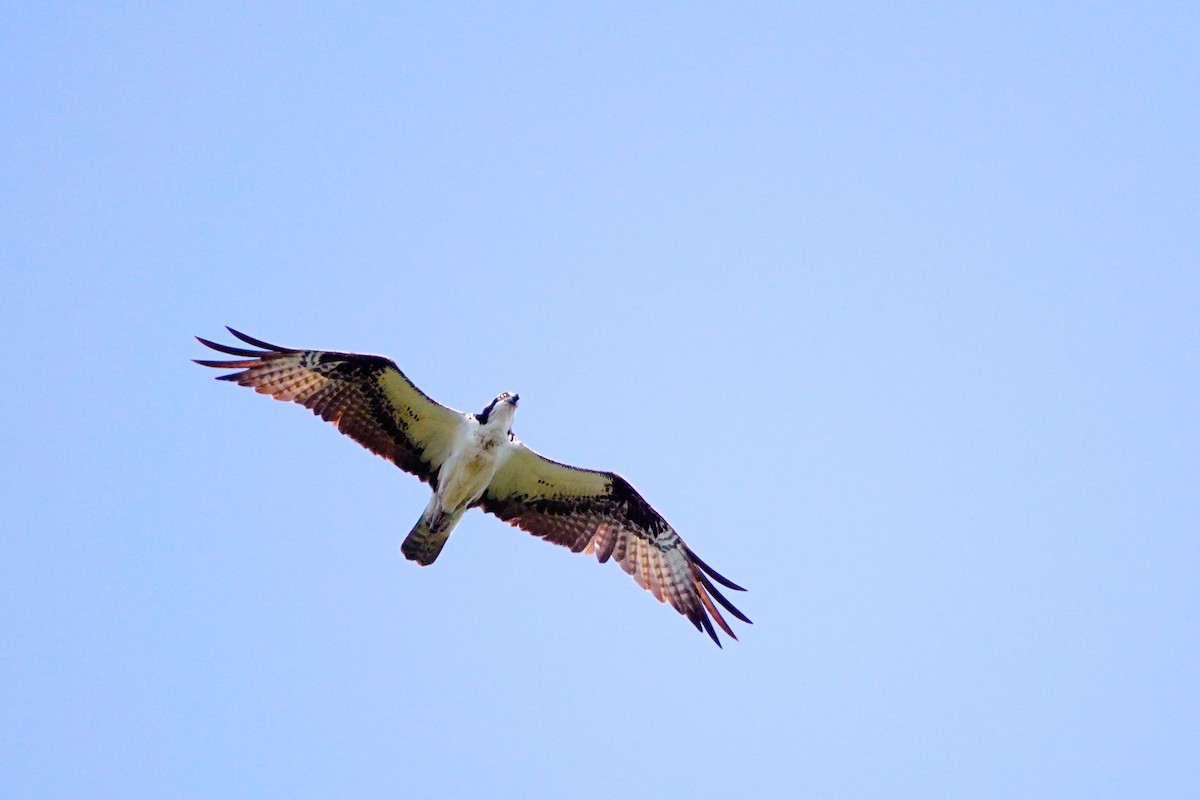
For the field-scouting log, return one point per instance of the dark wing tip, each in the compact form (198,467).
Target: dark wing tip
(259,342)
(724,601)
(712,573)
(226,365)
(204,362)
(233,351)
(704,625)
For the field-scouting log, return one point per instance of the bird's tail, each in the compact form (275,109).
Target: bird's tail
(429,535)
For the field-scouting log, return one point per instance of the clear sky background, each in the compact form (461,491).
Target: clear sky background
(893,313)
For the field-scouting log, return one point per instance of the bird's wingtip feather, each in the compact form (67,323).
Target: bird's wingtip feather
(259,342)
(718,577)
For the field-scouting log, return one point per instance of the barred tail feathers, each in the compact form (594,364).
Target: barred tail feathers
(428,536)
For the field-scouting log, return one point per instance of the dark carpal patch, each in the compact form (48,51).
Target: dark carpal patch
(638,511)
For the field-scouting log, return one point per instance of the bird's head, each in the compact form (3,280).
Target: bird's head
(502,408)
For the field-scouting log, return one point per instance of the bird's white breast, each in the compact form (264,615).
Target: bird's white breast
(478,453)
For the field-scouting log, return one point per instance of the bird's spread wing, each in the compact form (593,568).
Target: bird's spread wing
(599,512)
(367,397)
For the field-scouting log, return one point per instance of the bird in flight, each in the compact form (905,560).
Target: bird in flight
(474,460)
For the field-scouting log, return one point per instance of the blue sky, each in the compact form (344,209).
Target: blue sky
(892,312)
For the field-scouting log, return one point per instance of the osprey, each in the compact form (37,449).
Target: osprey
(475,460)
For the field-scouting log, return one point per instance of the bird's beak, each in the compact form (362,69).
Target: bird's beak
(514,399)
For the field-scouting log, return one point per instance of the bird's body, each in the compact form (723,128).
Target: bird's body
(474,460)
(479,449)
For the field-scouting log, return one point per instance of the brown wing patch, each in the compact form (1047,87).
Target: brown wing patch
(614,521)
(365,396)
